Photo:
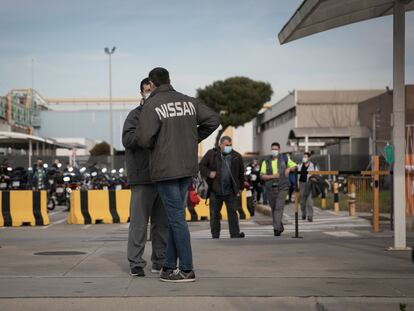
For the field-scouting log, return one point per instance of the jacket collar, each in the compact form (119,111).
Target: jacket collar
(162,88)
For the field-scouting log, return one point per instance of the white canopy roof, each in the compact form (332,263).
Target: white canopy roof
(315,16)
(15,137)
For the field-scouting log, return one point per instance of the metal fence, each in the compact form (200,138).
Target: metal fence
(80,161)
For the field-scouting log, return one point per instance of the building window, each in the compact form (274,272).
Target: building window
(279,120)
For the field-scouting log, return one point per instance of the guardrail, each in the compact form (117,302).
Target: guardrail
(375,173)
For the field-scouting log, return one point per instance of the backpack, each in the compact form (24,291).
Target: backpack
(202,187)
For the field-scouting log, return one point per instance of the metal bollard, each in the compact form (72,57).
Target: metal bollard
(336,196)
(352,200)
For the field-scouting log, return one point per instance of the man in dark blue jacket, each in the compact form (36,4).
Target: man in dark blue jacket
(224,171)
(145,201)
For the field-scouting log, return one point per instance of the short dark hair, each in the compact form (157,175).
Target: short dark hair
(275,144)
(307,154)
(159,76)
(145,81)
(224,138)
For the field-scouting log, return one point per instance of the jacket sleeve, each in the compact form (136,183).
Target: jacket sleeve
(205,165)
(129,139)
(148,127)
(207,120)
(241,173)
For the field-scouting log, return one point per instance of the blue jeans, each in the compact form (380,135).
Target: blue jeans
(172,193)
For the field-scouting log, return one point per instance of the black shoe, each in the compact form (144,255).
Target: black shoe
(310,219)
(277,232)
(165,272)
(177,276)
(238,236)
(137,271)
(215,236)
(303,217)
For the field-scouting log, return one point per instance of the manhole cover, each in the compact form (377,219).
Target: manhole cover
(60,253)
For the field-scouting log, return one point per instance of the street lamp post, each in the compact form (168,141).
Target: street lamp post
(111,133)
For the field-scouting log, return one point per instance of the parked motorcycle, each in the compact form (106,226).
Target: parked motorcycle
(5,178)
(72,180)
(19,179)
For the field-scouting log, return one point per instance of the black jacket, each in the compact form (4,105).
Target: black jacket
(137,159)
(213,160)
(171,125)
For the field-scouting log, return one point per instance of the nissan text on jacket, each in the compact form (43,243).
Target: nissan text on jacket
(137,159)
(171,125)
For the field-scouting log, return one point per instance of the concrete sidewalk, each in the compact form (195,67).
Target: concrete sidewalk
(321,271)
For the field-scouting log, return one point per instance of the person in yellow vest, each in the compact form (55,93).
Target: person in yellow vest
(274,171)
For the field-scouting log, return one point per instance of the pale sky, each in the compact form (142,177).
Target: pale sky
(199,42)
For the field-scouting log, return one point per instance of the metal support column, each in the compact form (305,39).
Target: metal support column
(398,132)
(30,152)
(306,143)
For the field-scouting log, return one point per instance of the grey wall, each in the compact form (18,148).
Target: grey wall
(263,140)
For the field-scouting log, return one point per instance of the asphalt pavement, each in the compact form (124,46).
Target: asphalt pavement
(337,264)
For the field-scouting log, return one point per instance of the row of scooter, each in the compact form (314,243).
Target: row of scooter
(60,182)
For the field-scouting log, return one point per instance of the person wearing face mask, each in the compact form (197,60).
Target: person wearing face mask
(224,170)
(305,193)
(274,172)
(145,200)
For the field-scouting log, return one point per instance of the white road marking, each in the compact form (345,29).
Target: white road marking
(86,226)
(54,213)
(54,223)
(342,234)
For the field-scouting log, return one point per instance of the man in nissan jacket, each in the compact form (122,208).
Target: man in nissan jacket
(171,126)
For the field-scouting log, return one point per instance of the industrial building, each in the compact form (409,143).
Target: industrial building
(336,122)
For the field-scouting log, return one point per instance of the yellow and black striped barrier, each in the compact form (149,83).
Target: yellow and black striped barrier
(23,207)
(112,206)
(99,206)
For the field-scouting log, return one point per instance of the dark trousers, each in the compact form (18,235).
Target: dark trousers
(277,199)
(216,203)
(146,203)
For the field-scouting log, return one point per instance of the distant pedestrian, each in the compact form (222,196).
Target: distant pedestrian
(145,200)
(224,170)
(256,181)
(305,190)
(39,174)
(192,200)
(293,180)
(274,172)
(171,126)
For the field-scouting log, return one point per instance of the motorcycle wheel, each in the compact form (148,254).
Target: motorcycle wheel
(51,204)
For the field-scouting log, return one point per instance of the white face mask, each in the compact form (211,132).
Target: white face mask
(146,95)
(305,160)
(275,153)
